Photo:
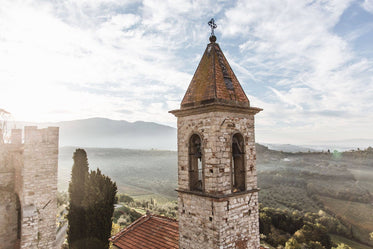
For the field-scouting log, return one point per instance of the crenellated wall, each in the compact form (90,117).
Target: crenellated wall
(29,171)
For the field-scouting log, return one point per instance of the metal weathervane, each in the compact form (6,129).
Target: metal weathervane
(212,25)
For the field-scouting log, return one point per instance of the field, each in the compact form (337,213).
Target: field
(353,244)
(365,177)
(136,172)
(341,183)
(359,215)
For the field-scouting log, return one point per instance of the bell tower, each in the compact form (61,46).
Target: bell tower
(217,181)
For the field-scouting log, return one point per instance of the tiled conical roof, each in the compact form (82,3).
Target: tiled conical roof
(214,81)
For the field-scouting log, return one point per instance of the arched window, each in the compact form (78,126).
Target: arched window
(195,163)
(238,163)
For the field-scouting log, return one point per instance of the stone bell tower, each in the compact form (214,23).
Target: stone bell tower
(217,181)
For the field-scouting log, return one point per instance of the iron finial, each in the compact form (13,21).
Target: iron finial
(213,26)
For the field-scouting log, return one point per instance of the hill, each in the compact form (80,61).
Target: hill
(107,133)
(340,184)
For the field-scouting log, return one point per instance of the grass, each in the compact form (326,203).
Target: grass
(353,244)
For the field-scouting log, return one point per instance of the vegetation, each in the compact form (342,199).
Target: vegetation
(351,243)
(130,210)
(124,215)
(151,171)
(125,198)
(342,246)
(358,216)
(92,199)
(98,204)
(62,204)
(76,216)
(339,183)
(294,230)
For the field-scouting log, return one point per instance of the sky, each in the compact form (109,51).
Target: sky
(308,64)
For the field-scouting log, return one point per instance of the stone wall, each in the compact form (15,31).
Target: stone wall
(8,219)
(231,222)
(8,201)
(40,160)
(34,181)
(216,130)
(217,217)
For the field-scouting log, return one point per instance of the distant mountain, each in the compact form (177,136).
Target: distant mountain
(107,133)
(289,148)
(342,145)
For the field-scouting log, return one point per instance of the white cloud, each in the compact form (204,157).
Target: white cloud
(134,59)
(310,69)
(43,53)
(368,5)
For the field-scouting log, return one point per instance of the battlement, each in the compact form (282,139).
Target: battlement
(48,135)
(28,170)
(33,135)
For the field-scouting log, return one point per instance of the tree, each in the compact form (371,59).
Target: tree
(342,246)
(314,245)
(99,207)
(313,232)
(125,198)
(76,216)
(292,244)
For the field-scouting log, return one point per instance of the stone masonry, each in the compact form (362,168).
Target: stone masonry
(217,181)
(28,189)
(217,218)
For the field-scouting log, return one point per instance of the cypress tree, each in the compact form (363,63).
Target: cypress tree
(99,207)
(76,216)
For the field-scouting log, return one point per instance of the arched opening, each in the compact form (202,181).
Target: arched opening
(195,163)
(238,163)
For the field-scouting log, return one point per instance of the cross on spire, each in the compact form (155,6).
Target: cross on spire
(212,25)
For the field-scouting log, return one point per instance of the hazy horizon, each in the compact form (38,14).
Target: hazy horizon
(170,142)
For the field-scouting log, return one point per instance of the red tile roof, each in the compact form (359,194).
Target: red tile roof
(214,81)
(149,231)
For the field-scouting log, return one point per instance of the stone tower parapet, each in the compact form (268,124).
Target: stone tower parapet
(32,167)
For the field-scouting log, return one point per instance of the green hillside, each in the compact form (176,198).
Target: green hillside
(340,184)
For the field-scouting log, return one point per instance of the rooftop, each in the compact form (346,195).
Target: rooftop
(214,81)
(149,231)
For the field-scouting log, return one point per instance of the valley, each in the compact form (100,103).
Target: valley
(338,183)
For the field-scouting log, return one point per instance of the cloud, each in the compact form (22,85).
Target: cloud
(368,5)
(309,70)
(54,48)
(133,60)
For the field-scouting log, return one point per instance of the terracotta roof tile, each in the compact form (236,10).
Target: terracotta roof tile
(149,231)
(214,81)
